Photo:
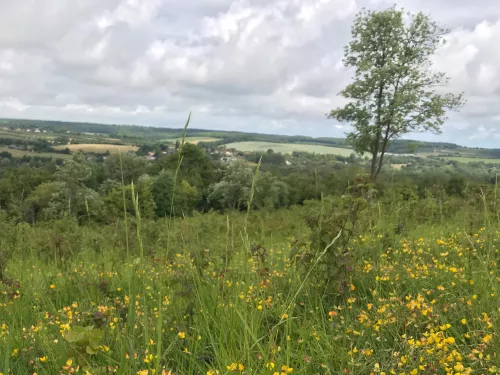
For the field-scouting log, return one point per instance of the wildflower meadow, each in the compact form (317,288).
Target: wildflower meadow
(245,293)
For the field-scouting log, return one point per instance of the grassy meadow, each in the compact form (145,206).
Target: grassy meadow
(415,291)
(21,153)
(193,140)
(462,159)
(288,148)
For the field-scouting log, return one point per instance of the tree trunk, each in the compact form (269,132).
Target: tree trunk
(373,169)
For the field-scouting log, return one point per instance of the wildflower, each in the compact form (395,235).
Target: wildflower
(69,362)
(43,359)
(181,335)
(487,338)
(52,286)
(270,365)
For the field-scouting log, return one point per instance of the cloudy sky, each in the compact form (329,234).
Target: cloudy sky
(270,66)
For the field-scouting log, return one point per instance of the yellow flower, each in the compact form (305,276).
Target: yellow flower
(181,335)
(43,359)
(270,365)
(487,338)
(52,286)
(463,321)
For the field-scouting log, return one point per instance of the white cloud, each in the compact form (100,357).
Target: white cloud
(256,65)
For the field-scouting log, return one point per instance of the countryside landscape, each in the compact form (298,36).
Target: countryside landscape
(181,249)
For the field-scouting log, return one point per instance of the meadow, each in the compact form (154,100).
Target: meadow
(288,148)
(21,153)
(413,290)
(98,148)
(461,159)
(193,140)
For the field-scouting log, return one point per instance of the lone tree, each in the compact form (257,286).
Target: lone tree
(394,91)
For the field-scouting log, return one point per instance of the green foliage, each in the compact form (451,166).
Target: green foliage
(133,168)
(233,191)
(334,223)
(393,92)
(196,167)
(162,190)
(185,197)
(84,342)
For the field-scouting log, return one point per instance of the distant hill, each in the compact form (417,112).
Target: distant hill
(135,133)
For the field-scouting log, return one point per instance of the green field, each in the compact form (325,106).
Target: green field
(20,154)
(193,140)
(461,159)
(288,148)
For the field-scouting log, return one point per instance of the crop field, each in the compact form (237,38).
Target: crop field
(288,148)
(398,166)
(21,153)
(98,148)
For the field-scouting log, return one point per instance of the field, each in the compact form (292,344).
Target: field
(472,160)
(98,148)
(20,153)
(398,166)
(193,140)
(288,148)
(233,294)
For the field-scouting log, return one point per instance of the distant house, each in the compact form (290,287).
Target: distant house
(150,153)
(149,157)
(288,162)
(37,130)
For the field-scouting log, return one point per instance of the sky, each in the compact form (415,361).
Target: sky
(269,66)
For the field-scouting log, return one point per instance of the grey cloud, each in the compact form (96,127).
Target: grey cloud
(264,65)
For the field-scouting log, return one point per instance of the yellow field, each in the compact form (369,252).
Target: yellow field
(398,166)
(98,148)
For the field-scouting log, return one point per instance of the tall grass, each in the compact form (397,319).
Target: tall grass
(204,303)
